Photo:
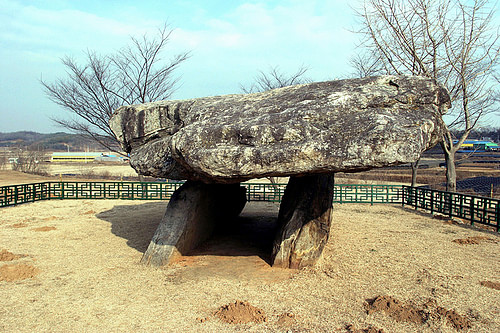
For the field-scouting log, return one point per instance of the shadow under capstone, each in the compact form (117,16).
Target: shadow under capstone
(135,223)
(250,234)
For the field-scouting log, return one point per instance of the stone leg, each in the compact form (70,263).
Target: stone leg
(303,221)
(192,213)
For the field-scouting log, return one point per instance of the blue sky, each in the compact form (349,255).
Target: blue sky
(229,42)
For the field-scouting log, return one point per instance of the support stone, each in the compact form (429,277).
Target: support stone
(192,213)
(303,221)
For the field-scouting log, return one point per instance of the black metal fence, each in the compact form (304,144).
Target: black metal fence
(17,194)
(363,193)
(476,209)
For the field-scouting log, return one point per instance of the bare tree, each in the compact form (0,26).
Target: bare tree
(30,160)
(451,41)
(135,74)
(275,78)
(3,161)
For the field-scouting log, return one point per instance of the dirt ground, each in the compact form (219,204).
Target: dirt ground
(10,177)
(97,169)
(73,266)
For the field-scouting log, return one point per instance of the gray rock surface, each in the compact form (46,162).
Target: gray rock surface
(304,221)
(323,127)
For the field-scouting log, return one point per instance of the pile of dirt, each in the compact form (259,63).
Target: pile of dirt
(8,256)
(473,240)
(456,320)
(286,319)
(491,284)
(410,313)
(396,309)
(19,225)
(44,229)
(370,329)
(16,272)
(240,312)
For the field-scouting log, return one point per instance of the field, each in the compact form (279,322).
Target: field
(73,266)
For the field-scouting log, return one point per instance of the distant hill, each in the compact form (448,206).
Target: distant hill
(59,141)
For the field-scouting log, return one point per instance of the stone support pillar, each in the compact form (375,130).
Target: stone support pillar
(192,213)
(303,221)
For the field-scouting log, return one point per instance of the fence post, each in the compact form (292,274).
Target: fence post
(497,215)
(461,206)
(472,211)
(449,204)
(432,201)
(371,195)
(403,195)
(485,209)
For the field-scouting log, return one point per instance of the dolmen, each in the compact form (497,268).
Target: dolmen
(306,132)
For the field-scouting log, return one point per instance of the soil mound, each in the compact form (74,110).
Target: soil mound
(8,256)
(407,312)
(491,284)
(396,309)
(456,320)
(16,272)
(240,313)
(473,240)
(44,229)
(286,319)
(19,225)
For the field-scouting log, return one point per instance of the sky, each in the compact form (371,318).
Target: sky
(229,42)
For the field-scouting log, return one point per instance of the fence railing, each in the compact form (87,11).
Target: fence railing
(473,208)
(469,207)
(361,193)
(17,194)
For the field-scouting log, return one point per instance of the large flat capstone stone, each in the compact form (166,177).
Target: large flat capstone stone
(323,127)
(307,132)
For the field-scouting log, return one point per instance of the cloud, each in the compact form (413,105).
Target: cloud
(27,27)
(255,36)
(229,43)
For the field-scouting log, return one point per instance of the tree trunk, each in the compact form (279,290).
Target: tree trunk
(451,173)
(414,169)
(304,221)
(274,184)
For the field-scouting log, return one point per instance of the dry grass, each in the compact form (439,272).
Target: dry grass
(89,278)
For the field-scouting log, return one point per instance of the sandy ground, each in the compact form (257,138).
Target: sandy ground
(57,170)
(83,257)
(8,177)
